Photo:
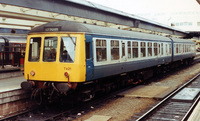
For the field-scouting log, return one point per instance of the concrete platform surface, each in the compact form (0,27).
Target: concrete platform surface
(6,75)
(99,118)
(8,84)
(157,92)
(187,94)
(9,68)
(195,114)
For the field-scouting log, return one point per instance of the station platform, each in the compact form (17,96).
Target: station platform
(195,114)
(10,78)
(12,83)
(12,98)
(9,68)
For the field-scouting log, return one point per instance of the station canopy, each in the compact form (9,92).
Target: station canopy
(26,14)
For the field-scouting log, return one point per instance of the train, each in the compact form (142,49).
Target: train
(12,46)
(65,57)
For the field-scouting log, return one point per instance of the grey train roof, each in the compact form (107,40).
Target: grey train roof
(69,26)
(13,38)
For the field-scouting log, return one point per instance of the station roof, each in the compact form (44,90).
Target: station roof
(84,11)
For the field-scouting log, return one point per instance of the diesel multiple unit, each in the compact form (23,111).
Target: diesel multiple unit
(63,56)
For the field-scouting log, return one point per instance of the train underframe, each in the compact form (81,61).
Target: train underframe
(54,91)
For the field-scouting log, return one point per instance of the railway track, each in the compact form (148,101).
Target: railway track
(69,113)
(178,105)
(65,112)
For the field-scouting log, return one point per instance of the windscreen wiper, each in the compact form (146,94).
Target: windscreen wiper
(71,39)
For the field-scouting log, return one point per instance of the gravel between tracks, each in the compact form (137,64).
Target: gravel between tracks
(122,109)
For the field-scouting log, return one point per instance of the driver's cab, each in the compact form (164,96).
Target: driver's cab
(50,55)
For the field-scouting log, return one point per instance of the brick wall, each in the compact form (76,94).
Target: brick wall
(15,101)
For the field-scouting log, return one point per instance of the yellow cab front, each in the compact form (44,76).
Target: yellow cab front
(57,57)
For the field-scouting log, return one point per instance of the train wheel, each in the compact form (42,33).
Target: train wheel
(37,95)
(87,95)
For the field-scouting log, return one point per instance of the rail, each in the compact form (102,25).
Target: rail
(155,108)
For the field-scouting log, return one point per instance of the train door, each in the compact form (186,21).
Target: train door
(89,59)
(123,52)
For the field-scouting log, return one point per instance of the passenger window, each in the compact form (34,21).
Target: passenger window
(161,49)
(170,49)
(135,49)
(123,49)
(193,48)
(166,49)
(129,49)
(67,49)
(177,48)
(88,52)
(149,49)
(143,49)
(184,47)
(155,45)
(189,48)
(174,48)
(34,49)
(114,50)
(50,49)
(101,50)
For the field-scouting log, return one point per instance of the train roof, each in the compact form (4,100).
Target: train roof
(182,40)
(18,38)
(70,26)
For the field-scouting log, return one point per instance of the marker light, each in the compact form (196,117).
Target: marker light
(32,73)
(66,74)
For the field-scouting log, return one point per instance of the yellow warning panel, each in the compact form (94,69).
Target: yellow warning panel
(148,92)
(99,118)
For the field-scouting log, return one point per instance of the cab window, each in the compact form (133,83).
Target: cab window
(50,49)
(34,49)
(67,49)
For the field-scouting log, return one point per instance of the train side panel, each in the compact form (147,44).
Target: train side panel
(183,49)
(125,64)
